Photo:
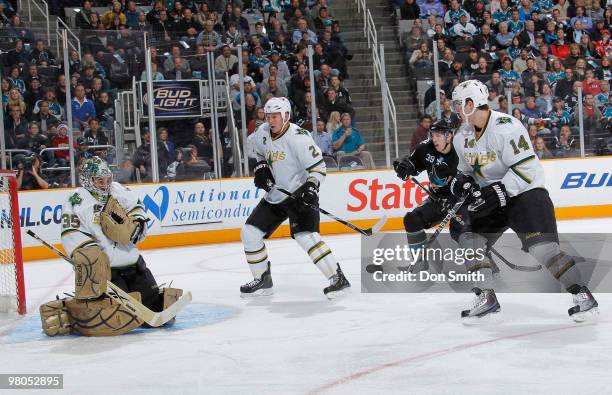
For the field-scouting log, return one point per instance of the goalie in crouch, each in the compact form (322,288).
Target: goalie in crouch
(102,221)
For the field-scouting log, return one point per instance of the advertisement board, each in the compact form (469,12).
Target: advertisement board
(578,188)
(173,99)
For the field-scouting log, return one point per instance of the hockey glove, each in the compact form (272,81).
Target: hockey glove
(462,184)
(443,204)
(308,194)
(404,168)
(488,199)
(138,234)
(263,176)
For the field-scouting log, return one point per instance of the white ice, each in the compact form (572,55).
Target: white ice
(298,342)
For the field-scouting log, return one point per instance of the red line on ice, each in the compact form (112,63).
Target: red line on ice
(439,353)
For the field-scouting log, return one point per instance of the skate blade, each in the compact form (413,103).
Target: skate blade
(489,318)
(257,294)
(589,315)
(338,294)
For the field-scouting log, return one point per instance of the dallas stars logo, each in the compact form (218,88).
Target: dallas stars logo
(75,199)
(477,167)
(503,120)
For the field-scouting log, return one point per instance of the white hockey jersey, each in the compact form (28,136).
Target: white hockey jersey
(81,224)
(293,157)
(502,153)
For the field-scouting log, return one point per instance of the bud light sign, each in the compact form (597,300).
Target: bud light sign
(173,99)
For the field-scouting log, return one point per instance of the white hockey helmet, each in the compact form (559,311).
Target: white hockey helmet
(473,90)
(281,105)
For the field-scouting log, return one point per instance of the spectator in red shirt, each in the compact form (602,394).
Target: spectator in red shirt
(604,45)
(591,85)
(560,49)
(62,157)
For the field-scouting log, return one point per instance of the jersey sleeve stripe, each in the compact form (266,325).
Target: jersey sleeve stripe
(315,165)
(86,243)
(316,171)
(518,172)
(137,207)
(520,162)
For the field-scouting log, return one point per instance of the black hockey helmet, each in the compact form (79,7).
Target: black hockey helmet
(444,126)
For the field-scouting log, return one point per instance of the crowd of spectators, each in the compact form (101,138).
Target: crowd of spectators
(180,33)
(274,38)
(535,53)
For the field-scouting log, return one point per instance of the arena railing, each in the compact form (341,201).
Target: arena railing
(378,64)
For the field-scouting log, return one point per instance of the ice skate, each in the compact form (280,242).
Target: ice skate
(258,287)
(485,305)
(585,306)
(338,285)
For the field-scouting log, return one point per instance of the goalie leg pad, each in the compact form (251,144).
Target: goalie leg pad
(102,317)
(116,224)
(55,318)
(91,272)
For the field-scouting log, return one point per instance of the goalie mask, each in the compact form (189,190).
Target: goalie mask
(96,176)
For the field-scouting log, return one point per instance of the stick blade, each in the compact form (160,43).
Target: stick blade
(378,225)
(164,316)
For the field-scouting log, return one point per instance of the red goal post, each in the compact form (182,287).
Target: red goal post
(12,288)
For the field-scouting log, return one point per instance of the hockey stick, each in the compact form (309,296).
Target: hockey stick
(452,213)
(120,296)
(365,232)
(431,195)
(511,265)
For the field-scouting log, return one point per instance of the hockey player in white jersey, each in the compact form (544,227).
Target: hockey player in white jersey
(504,180)
(102,221)
(288,159)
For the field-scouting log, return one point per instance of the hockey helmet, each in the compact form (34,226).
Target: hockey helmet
(474,90)
(443,126)
(280,105)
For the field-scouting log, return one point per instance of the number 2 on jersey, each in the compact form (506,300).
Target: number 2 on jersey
(522,143)
(313,150)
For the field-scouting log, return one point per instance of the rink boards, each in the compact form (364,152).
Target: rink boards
(213,211)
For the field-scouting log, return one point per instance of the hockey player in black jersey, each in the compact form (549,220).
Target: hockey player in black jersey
(437,156)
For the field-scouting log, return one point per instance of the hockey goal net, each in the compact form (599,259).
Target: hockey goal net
(12,290)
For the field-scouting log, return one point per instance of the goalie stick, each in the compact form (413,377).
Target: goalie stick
(152,318)
(366,232)
(492,250)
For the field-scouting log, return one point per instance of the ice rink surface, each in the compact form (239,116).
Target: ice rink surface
(298,342)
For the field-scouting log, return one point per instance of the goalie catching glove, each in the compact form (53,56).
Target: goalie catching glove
(118,226)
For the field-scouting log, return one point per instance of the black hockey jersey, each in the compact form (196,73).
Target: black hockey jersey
(441,168)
